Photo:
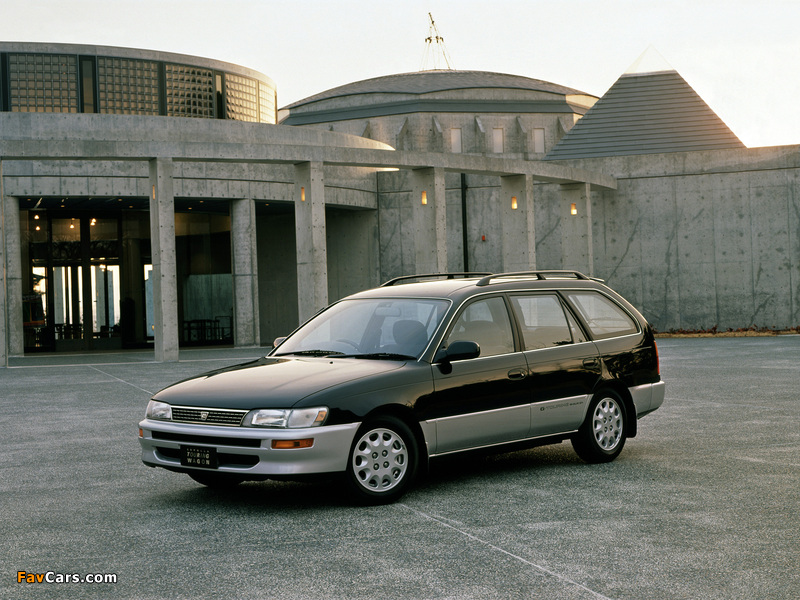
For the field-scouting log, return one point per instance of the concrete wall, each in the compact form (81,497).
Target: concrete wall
(696,240)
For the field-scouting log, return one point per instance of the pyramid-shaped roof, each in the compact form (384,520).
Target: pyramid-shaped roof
(646,113)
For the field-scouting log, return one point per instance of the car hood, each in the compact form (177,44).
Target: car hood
(271,382)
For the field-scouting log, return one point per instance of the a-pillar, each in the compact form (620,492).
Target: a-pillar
(428,197)
(516,210)
(576,228)
(310,239)
(13,341)
(246,327)
(162,246)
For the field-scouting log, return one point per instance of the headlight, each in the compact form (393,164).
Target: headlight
(159,410)
(288,418)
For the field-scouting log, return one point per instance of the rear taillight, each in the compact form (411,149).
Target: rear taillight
(658,362)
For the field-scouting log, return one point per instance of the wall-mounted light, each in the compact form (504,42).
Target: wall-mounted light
(36,217)
(513,203)
(424,197)
(302,194)
(573,209)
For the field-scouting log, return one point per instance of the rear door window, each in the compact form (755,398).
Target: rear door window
(604,317)
(544,323)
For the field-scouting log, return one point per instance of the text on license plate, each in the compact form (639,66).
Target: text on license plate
(195,456)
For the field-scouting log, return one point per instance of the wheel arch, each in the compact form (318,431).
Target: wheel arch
(616,386)
(407,416)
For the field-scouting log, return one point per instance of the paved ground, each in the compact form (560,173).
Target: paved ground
(704,504)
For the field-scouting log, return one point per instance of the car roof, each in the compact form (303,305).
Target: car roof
(458,286)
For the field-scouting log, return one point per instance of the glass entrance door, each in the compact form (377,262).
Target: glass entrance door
(74,300)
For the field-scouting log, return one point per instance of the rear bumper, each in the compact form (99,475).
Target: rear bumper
(248,451)
(648,397)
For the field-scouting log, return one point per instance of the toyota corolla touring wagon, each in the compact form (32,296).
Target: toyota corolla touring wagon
(380,382)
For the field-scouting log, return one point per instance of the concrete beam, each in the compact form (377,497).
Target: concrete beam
(266,152)
(165,272)
(430,220)
(311,242)
(244,259)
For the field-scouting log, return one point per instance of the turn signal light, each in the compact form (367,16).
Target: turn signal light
(290,444)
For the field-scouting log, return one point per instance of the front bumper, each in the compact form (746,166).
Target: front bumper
(248,451)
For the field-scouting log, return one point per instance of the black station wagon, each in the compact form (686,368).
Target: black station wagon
(378,383)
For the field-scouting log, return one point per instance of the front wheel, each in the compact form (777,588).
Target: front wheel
(383,461)
(602,435)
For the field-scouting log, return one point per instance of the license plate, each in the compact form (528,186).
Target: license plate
(194,456)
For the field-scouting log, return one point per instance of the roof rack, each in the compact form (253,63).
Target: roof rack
(537,275)
(391,282)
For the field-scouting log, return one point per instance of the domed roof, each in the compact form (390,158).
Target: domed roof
(426,82)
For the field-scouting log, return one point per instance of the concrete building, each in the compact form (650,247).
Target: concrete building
(152,198)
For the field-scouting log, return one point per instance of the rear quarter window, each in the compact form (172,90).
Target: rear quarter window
(604,317)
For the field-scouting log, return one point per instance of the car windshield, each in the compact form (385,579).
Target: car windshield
(393,329)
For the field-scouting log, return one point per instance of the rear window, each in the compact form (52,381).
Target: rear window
(604,317)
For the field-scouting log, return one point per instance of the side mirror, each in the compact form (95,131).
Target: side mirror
(458,350)
(278,341)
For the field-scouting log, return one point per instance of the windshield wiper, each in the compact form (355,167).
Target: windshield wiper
(311,353)
(380,356)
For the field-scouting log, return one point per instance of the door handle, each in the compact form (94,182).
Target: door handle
(517,374)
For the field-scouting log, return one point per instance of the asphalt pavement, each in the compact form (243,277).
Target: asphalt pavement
(703,504)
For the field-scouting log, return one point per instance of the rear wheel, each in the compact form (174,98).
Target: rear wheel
(383,461)
(602,435)
(217,481)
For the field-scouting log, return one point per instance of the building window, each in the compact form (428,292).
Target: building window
(497,140)
(266,100)
(241,98)
(43,83)
(88,85)
(455,140)
(189,91)
(538,141)
(127,87)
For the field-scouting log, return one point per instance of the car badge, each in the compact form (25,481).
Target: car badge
(203,415)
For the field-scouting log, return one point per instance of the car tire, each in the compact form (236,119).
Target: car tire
(602,435)
(217,481)
(383,461)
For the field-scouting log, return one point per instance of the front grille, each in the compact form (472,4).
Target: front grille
(209,416)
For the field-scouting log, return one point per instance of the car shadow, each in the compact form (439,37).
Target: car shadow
(444,474)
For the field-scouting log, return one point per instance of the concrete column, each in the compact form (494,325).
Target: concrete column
(244,258)
(12,277)
(576,228)
(4,287)
(516,213)
(310,236)
(162,245)
(428,197)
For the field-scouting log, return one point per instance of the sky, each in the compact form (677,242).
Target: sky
(740,56)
